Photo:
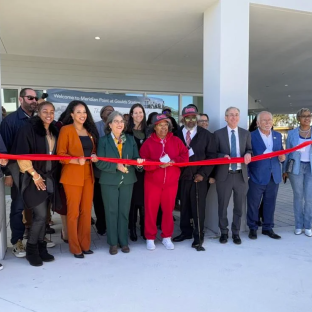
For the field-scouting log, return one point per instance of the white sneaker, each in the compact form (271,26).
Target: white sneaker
(50,244)
(168,243)
(19,249)
(150,245)
(298,231)
(308,232)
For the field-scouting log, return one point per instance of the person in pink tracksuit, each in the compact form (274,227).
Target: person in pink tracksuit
(161,181)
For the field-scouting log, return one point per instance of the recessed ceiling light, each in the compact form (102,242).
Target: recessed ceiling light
(290,104)
(289,95)
(286,85)
(97,38)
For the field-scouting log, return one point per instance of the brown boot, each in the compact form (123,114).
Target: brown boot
(125,249)
(113,250)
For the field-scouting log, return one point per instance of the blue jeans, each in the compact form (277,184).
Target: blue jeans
(302,188)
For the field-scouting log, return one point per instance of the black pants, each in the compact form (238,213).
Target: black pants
(189,206)
(38,227)
(99,207)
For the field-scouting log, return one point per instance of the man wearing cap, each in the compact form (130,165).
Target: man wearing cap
(193,181)
(232,141)
(161,181)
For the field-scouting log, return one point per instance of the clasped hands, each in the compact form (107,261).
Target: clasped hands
(247,158)
(82,160)
(124,169)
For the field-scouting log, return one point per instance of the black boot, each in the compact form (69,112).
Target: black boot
(133,234)
(32,254)
(43,252)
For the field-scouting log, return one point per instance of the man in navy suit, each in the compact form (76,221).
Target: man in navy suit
(264,176)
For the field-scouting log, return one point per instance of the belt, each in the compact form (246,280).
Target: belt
(235,171)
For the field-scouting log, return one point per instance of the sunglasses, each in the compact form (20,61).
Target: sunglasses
(190,118)
(30,98)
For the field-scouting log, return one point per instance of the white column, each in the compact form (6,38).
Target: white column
(226,53)
(3,238)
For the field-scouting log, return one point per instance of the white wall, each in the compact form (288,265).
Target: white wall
(81,74)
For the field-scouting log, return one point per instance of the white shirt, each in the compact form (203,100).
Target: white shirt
(239,166)
(304,152)
(267,140)
(193,132)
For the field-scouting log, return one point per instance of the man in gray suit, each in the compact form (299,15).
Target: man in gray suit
(104,113)
(232,141)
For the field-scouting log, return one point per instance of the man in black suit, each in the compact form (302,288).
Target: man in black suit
(232,141)
(201,145)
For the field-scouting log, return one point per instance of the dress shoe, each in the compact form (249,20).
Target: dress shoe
(236,239)
(113,250)
(181,238)
(271,234)
(133,234)
(64,239)
(87,252)
(223,238)
(252,234)
(102,233)
(125,249)
(79,256)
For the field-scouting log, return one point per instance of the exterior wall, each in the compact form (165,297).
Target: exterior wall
(81,74)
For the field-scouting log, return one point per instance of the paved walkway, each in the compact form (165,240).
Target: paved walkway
(261,275)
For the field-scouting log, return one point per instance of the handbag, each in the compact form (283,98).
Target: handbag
(290,165)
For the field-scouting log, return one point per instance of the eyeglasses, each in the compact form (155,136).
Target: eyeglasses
(117,122)
(306,116)
(190,119)
(30,98)
(233,115)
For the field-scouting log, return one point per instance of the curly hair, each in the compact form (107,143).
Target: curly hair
(88,124)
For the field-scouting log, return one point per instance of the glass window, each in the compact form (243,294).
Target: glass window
(156,102)
(9,99)
(196,100)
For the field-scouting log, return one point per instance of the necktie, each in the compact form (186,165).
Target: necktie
(233,149)
(188,138)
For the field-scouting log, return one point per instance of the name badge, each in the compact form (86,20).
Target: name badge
(191,153)
(165,159)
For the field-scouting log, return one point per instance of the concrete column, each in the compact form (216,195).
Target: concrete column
(226,54)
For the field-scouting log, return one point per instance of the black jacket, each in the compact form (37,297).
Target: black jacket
(204,147)
(31,139)
(3,150)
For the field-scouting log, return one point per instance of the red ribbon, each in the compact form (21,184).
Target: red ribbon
(216,161)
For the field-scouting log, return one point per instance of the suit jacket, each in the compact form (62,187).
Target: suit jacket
(110,175)
(260,171)
(100,126)
(223,148)
(69,144)
(204,147)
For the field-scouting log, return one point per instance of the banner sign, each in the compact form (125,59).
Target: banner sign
(95,101)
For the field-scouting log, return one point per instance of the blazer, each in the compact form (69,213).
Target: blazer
(223,148)
(204,147)
(110,175)
(260,171)
(69,144)
(100,126)
(292,141)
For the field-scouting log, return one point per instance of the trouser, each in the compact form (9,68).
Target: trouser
(99,207)
(37,229)
(155,195)
(117,199)
(28,216)
(189,206)
(16,215)
(79,206)
(233,183)
(133,216)
(268,193)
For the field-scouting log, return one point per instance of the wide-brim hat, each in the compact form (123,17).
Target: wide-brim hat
(156,119)
(189,110)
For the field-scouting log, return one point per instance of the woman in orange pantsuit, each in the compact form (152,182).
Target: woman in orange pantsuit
(78,137)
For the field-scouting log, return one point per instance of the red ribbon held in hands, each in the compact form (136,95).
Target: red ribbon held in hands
(216,161)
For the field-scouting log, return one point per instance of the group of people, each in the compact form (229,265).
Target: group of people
(119,190)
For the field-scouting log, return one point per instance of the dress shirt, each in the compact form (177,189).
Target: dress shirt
(267,140)
(239,166)
(192,132)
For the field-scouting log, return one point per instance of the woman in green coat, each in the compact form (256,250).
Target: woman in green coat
(117,180)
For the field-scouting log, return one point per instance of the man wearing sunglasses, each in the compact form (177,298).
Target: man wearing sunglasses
(8,129)
(193,180)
